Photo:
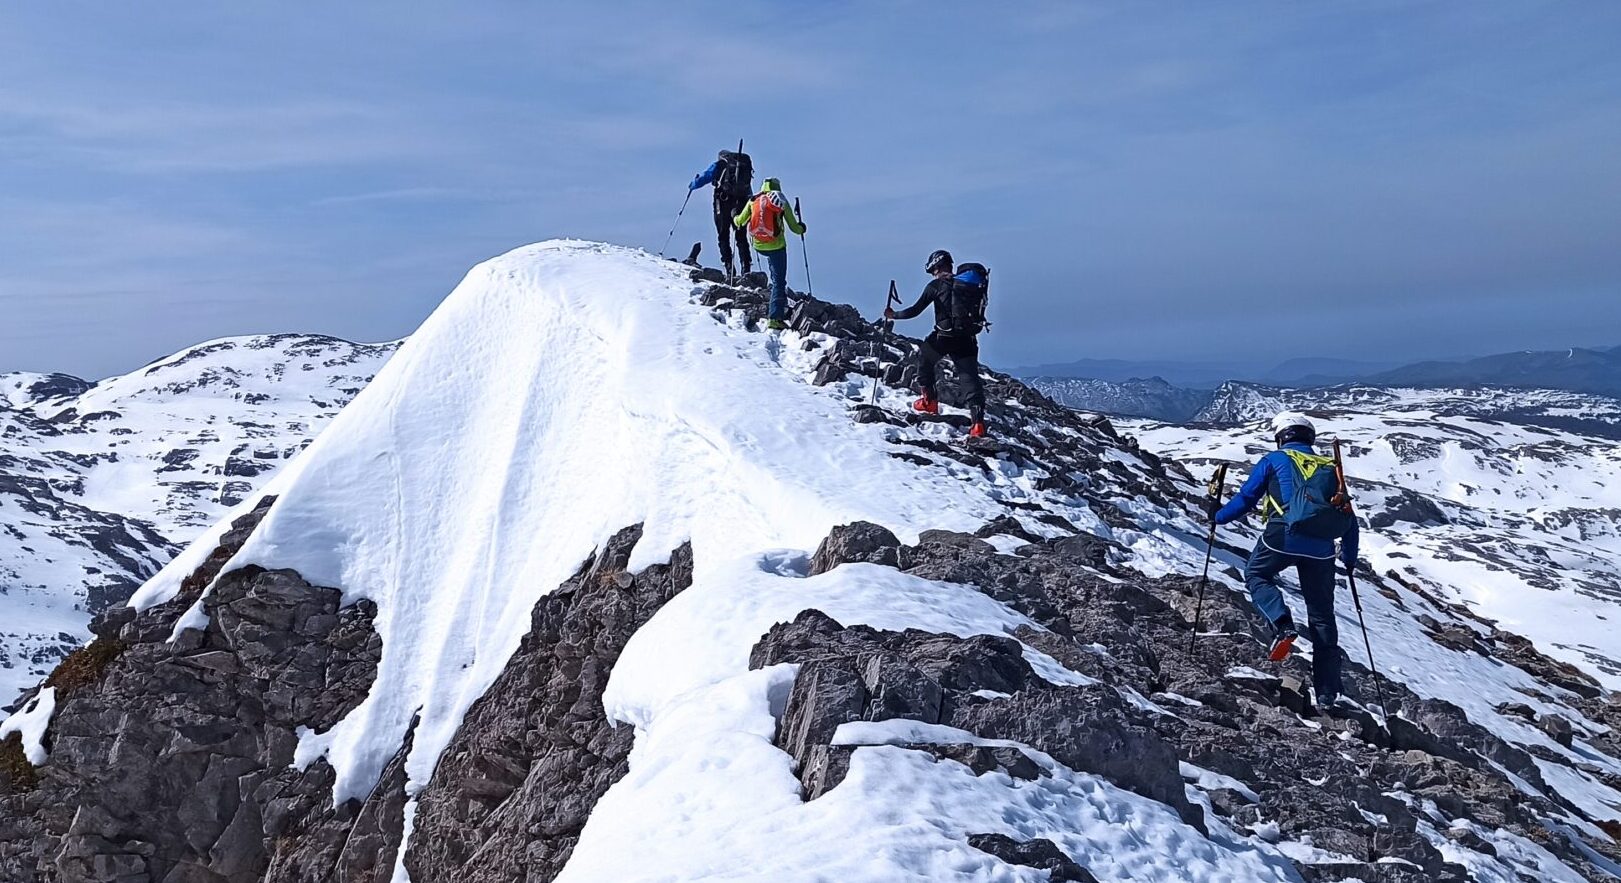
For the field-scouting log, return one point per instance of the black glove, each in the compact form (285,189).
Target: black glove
(1211,507)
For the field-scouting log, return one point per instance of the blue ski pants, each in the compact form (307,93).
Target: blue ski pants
(776,264)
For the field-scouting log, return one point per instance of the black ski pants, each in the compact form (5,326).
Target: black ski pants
(1317,586)
(964,355)
(725,211)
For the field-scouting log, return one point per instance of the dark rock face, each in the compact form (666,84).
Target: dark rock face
(861,541)
(535,752)
(173,762)
(1345,783)
(859,673)
(1042,854)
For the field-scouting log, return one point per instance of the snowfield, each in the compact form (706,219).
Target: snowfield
(567,390)
(101,484)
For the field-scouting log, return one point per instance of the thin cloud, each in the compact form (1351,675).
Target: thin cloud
(200,137)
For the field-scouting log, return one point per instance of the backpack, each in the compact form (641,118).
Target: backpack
(1316,508)
(766,220)
(736,175)
(966,299)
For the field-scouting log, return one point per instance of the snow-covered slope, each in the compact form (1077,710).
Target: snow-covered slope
(1519,521)
(101,484)
(1024,686)
(621,403)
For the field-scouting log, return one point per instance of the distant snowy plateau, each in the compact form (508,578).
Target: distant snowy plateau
(598,580)
(101,484)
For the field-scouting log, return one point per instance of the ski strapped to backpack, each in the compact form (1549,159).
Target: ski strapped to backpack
(1319,505)
(736,175)
(967,298)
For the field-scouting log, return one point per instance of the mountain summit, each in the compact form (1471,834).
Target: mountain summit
(599,581)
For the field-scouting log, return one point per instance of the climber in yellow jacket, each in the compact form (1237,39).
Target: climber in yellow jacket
(768,216)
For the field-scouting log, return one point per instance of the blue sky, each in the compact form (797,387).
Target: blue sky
(1238,181)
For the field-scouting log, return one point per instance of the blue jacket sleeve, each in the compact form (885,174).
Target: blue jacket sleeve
(707,176)
(1248,496)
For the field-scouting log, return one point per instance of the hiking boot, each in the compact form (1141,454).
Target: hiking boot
(1334,704)
(1283,639)
(776,325)
(926,405)
(977,430)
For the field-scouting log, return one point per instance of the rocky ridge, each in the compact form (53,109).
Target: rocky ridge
(1231,745)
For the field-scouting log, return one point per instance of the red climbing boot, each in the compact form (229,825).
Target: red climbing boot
(926,405)
(977,430)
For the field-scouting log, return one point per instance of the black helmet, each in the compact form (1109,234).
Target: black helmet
(940,259)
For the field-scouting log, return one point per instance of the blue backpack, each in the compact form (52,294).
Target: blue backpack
(1318,507)
(970,291)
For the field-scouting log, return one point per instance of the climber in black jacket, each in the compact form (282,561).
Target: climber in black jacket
(959,316)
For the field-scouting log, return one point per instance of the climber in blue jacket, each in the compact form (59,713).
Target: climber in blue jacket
(1271,485)
(732,175)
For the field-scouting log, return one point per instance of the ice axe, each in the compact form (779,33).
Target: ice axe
(888,325)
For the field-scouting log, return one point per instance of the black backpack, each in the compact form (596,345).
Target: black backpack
(735,177)
(966,299)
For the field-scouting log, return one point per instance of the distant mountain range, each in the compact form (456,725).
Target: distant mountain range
(1576,370)
(1179,392)
(1209,375)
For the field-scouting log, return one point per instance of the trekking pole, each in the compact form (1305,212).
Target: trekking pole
(887,325)
(809,289)
(676,224)
(1356,599)
(1342,499)
(1216,481)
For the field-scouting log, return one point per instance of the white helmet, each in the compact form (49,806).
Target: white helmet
(1287,420)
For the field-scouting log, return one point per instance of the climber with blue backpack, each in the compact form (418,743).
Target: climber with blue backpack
(1306,508)
(732,174)
(959,295)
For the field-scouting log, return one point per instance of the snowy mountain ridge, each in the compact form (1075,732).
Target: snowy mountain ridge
(1596,415)
(838,641)
(101,484)
(1237,401)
